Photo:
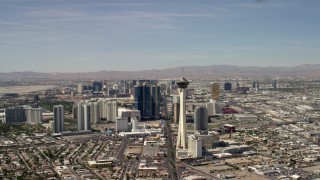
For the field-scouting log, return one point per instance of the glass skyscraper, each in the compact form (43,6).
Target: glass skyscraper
(147,100)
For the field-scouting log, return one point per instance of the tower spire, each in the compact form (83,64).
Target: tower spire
(182,75)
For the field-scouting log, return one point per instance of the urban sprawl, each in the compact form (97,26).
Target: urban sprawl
(239,128)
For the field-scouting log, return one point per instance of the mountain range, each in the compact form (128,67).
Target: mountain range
(191,72)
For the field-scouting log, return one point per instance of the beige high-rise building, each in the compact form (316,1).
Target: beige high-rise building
(176,108)
(214,91)
(112,111)
(80,88)
(176,112)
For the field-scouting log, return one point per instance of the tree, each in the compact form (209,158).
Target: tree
(8,161)
(5,172)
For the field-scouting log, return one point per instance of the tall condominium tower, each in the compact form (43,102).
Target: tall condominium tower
(182,131)
(108,110)
(214,107)
(112,111)
(200,118)
(83,118)
(23,114)
(86,116)
(80,122)
(94,112)
(58,119)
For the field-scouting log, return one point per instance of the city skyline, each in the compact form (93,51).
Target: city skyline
(83,36)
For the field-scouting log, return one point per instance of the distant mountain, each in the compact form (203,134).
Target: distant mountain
(192,72)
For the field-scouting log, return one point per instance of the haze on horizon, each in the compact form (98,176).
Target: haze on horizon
(95,35)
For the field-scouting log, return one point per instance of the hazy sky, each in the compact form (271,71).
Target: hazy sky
(93,35)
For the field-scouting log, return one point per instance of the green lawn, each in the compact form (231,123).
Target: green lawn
(49,105)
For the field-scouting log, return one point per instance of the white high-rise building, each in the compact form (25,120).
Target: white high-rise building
(129,113)
(108,110)
(194,146)
(135,124)
(80,119)
(102,108)
(112,111)
(209,138)
(88,112)
(115,86)
(58,119)
(182,131)
(80,88)
(214,107)
(91,112)
(33,115)
(209,106)
(94,112)
(122,124)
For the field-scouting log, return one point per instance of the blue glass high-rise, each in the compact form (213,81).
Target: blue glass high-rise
(147,100)
(227,86)
(97,86)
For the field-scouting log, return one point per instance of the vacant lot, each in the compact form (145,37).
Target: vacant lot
(23,89)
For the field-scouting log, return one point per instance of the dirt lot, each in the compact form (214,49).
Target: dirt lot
(23,89)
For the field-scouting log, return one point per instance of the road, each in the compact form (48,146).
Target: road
(170,160)
(77,154)
(26,145)
(98,153)
(52,167)
(121,159)
(20,156)
(92,172)
(73,171)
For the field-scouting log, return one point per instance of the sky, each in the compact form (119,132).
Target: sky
(95,35)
